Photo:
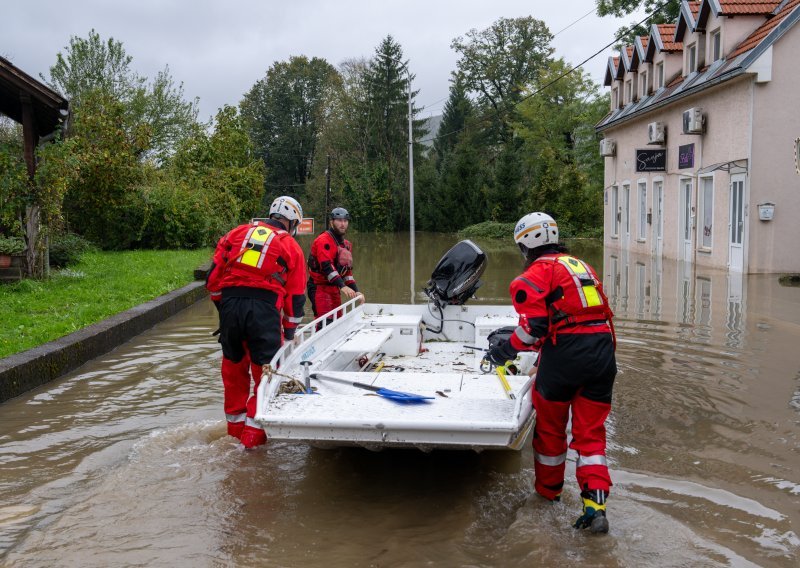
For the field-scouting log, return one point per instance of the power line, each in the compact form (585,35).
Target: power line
(567,72)
(586,15)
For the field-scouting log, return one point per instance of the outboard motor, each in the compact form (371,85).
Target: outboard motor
(457,276)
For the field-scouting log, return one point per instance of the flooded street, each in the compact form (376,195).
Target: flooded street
(126,462)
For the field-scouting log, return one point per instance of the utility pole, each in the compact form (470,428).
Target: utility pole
(327,189)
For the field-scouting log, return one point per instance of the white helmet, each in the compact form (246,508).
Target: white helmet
(535,230)
(285,207)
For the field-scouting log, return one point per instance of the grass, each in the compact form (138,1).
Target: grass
(102,284)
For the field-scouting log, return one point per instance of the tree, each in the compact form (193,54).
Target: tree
(92,65)
(662,11)
(285,112)
(104,166)
(498,63)
(457,111)
(565,173)
(366,135)
(387,80)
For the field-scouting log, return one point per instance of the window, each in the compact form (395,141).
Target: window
(642,210)
(691,58)
(628,94)
(614,102)
(626,203)
(659,78)
(706,211)
(643,82)
(716,45)
(615,211)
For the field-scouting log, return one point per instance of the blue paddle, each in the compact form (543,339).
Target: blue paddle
(396,396)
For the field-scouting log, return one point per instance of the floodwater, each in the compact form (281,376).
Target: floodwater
(125,462)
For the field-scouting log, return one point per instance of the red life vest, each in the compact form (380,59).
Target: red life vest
(256,255)
(576,295)
(327,248)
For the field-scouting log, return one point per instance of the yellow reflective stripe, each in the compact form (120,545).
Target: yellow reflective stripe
(589,295)
(256,236)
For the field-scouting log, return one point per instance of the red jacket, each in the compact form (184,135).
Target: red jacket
(331,261)
(262,255)
(556,294)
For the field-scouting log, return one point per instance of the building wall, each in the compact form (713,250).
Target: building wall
(773,244)
(727,138)
(736,30)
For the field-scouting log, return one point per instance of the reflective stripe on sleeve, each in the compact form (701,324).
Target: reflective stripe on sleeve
(294,320)
(333,276)
(524,336)
(598,459)
(550,460)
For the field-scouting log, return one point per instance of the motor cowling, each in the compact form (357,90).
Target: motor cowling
(457,275)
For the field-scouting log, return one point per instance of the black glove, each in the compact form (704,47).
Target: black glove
(501,352)
(288,333)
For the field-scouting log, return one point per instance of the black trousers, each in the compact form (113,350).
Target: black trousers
(251,321)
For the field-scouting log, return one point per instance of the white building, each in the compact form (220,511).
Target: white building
(703,138)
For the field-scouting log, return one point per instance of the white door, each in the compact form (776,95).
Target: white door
(687,221)
(658,221)
(736,224)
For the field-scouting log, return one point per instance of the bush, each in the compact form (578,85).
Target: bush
(11,245)
(488,230)
(67,248)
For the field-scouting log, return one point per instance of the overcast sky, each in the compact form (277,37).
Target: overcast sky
(218,49)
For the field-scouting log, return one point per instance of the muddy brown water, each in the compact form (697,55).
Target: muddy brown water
(125,462)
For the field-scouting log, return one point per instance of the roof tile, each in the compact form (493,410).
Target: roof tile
(748,7)
(667,32)
(763,30)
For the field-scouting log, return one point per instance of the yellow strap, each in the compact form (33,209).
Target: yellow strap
(501,373)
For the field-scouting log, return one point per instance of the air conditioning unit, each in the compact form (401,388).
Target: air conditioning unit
(608,147)
(693,121)
(656,133)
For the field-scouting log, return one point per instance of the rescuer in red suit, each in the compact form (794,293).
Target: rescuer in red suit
(330,265)
(258,272)
(564,314)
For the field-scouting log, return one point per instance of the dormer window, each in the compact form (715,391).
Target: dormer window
(628,92)
(691,59)
(643,83)
(715,45)
(659,78)
(614,99)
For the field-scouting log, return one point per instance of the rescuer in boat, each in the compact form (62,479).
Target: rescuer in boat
(565,315)
(259,271)
(330,265)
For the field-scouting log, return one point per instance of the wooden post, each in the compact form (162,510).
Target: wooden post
(32,213)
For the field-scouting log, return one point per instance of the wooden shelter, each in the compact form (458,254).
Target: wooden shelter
(31,103)
(41,111)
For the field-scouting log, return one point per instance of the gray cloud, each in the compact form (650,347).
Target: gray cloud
(219,49)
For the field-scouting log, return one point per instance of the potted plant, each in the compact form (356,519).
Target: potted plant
(10,246)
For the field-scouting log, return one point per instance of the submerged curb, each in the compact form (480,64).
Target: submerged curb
(29,369)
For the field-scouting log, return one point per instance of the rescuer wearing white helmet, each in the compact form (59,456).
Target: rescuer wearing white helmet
(258,271)
(564,315)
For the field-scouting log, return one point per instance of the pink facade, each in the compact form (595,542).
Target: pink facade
(720,186)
